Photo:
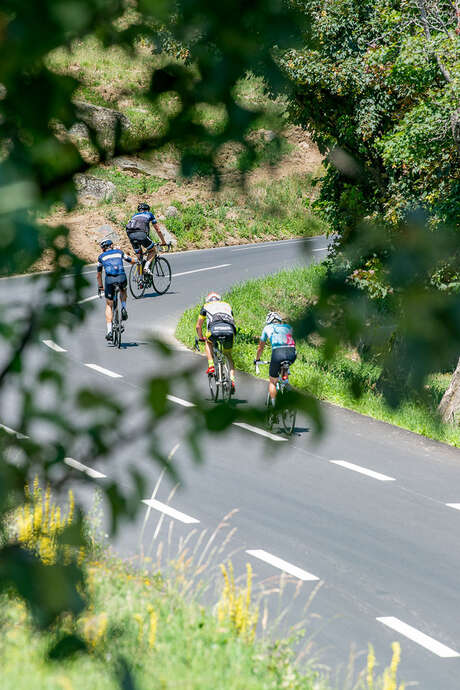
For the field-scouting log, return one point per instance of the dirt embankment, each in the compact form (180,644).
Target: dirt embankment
(84,222)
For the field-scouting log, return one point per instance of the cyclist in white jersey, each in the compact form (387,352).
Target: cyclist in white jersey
(279,334)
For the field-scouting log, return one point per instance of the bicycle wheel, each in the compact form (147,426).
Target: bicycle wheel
(136,281)
(119,322)
(226,382)
(213,387)
(161,275)
(271,416)
(289,416)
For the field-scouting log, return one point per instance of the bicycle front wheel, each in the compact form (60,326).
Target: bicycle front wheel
(161,275)
(136,281)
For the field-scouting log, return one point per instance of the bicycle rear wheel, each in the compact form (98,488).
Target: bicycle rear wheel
(161,275)
(271,416)
(136,281)
(288,414)
(213,387)
(226,382)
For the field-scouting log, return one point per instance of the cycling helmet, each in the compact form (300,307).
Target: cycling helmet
(273,316)
(213,297)
(143,207)
(107,242)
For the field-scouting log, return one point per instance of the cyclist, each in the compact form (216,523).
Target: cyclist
(219,320)
(138,231)
(279,333)
(111,260)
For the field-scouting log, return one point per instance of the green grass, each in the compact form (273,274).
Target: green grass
(290,293)
(127,184)
(190,649)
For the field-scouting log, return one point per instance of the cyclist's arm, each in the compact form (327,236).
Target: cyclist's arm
(99,277)
(159,232)
(128,258)
(260,349)
(199,325)
(262,342)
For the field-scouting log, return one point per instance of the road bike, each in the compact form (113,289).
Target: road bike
(159,279)
(117,326)
(288,412)
(220,383)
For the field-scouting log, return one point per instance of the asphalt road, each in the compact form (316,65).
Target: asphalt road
(363,523)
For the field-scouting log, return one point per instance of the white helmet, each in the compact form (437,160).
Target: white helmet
(273,316)
(213,297)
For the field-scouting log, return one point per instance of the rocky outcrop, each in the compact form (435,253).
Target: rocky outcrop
(89,188)
(105,121)
(164,170)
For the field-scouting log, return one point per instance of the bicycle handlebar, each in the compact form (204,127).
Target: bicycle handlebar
(256,364)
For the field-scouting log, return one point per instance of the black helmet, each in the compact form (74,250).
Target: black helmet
(143,207)
(107,242)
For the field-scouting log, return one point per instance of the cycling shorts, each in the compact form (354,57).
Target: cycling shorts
(281,354)
(111,281)
(222,331)
(140,239)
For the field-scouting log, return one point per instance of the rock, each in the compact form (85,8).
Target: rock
(89,187)
(164,170)
(171,212)
(169,237)
(104,121)
(136,165)
(231,215)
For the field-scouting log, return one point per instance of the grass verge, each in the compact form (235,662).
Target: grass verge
(291,292)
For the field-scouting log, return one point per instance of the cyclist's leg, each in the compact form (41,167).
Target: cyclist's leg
(208,346)
(228,346)
(150,250)
(275,365)
(123,296)
(109,293)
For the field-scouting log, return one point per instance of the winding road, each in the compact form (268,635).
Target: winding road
(353,537)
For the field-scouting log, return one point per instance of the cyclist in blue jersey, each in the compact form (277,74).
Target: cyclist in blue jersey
(279,333)
(111,260)
(138,231)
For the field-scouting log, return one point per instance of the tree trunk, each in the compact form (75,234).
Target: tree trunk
(450,403)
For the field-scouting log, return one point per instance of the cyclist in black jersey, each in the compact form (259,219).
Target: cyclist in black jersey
(138,231)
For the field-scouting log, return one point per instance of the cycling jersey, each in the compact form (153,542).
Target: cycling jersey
(214,312)
(112,262)
(140,222)
(279,335)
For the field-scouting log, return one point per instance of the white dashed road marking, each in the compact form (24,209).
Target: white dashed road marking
(282,565)
(197,270)
(323,249)
(12,432)
(363,470)
(453,505)
(88,299)
(54,346)
(94,474)
(171,512)
(101,370)
(420,638)
(261,432)
(180,401)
